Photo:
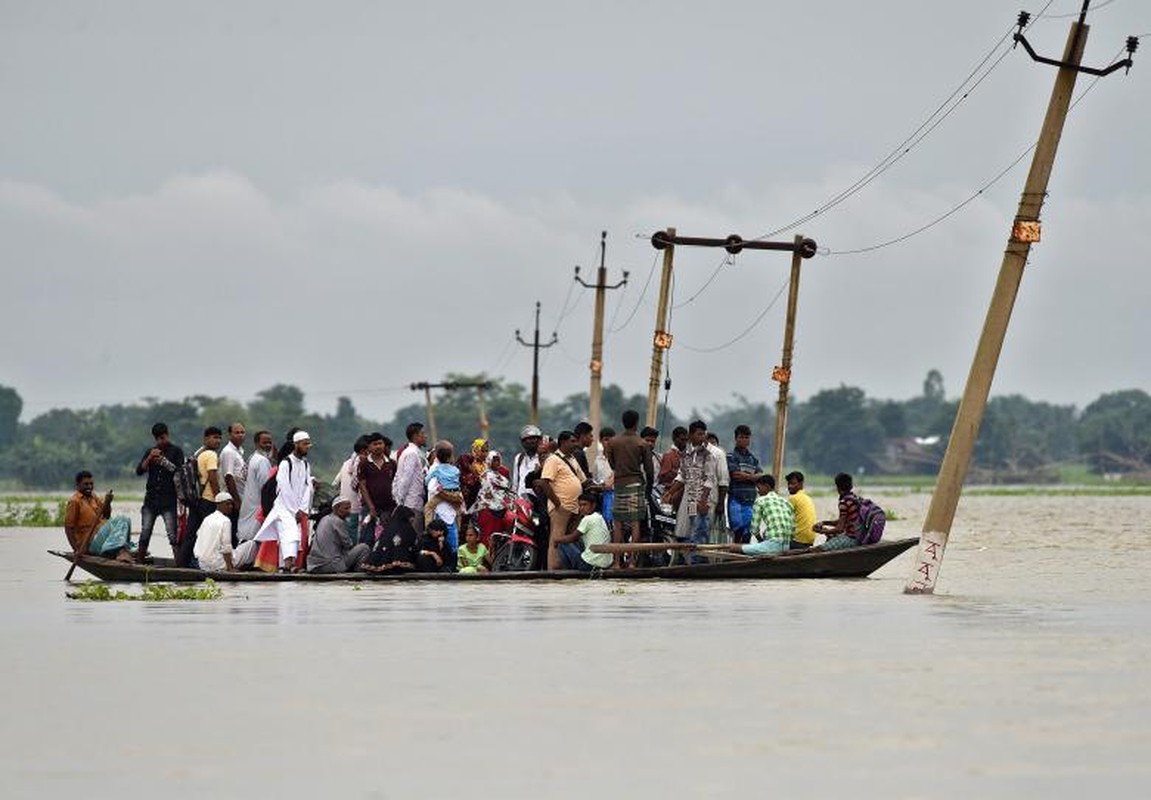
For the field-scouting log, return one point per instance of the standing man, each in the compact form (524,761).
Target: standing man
(669,462)
(256,475)
(585,437)
(160,462)
(743,470)
(347,483)
(804,508)
(208,468)
(723,481)
(408,487)
(697,481)
(235,472)
(562,481)
(630,459)
(526,461)
(377,471)
(293,500)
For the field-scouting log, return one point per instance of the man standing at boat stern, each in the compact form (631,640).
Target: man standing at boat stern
(293,499)
(698,479)
(160,462)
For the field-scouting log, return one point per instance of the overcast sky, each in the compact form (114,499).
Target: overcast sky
(210,198)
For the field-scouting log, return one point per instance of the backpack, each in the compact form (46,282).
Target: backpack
(872,521)
(186,479)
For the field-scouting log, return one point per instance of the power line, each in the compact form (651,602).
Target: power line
(1104,4)
(754,324)
(727,259)
(642,295)
(955,209)
(942,112)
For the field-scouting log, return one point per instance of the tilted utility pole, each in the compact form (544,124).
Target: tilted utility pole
(596,364)
(1024,231)
(782,373)
(800,248)
(536,347)
(662,339)
(450,386)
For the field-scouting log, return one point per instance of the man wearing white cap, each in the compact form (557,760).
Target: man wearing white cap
(213,548)
(293,500)
(526,461)
(332,548)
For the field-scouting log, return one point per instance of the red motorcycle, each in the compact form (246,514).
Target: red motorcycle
(518,547)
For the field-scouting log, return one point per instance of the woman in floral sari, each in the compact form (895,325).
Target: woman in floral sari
(495,500)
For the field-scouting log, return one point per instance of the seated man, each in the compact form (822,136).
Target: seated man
(433,553)
(213,549)
(575,547)
(332,549)
(89,525)
(772,522)
(841,532)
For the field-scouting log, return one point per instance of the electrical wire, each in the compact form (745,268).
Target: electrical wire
(728,258)
(754,324)
(1104,4)
(942,112)
(642,295)
(955,209)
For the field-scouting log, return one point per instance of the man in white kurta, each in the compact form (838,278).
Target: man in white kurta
(293,496)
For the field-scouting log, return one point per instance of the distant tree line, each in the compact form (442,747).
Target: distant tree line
(836,429)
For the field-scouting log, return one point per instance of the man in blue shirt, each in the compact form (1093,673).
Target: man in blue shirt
(743,469)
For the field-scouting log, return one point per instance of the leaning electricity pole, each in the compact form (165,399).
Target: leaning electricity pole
(595,366)
(662,339)
(480,386)
(536,347)
(1024,231)
(800,248)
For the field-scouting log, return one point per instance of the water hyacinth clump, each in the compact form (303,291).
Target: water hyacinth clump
(152,592)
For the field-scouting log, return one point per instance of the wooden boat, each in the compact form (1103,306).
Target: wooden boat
(855,562)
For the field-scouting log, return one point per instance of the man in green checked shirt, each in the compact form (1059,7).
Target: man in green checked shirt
(772,522)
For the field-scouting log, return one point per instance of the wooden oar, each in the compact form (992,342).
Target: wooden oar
(648,547)
(71,569)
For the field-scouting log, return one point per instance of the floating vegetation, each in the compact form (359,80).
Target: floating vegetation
(152,592)
(18,514)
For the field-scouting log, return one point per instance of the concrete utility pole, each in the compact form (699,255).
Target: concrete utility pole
(800,248)
(662,339)
(1024,231)
(782,373)
(596,364)
(480,386)
(536,347)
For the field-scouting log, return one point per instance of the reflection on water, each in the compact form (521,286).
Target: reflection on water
(1024,676)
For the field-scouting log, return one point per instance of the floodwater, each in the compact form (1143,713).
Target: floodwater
(1026,675)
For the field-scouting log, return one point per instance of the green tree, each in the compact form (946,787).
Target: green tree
(1114,432)
(836,431)
(11,404)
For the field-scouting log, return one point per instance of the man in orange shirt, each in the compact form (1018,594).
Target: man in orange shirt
(88,523)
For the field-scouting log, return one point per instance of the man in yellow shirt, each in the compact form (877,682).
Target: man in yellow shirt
(804,509)
(208,467)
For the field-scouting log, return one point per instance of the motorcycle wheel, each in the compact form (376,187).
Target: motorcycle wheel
(514,557)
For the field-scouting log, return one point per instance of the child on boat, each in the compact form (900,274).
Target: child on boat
(473,555)
(445,501)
